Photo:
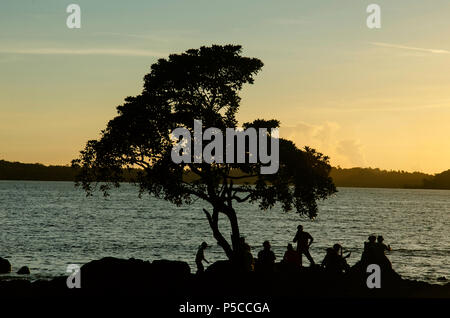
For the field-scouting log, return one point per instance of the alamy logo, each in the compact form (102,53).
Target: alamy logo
(374,279)
(374,19)
(73,21)
(213,152)
(74,279)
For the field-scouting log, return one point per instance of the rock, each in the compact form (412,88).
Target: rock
(15,288)
(5,266)
(115,273)
(219,268)
(165,279)
(24,270)
(175,269)
(442,279)
(120,275)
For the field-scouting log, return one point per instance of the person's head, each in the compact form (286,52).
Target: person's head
(266,245)
(289,247)
(204,245)
(330,251)
(300,228)
(372,238)
(380,239)
(337,247)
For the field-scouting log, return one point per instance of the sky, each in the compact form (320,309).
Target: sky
(364,97)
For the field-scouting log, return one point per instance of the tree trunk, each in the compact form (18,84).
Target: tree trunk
(214,224)
(235,233)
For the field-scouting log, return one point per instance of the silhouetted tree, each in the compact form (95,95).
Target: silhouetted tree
(199,84)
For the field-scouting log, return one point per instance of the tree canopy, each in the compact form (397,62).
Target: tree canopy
(201,84)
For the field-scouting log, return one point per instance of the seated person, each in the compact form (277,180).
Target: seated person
(381,257)
(334,262)
(266,258)
(369,255)
(291,257)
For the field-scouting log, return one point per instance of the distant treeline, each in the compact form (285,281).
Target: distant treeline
(34,171)
(376,178)
(354,177)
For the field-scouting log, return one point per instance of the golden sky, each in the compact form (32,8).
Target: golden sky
(365,97)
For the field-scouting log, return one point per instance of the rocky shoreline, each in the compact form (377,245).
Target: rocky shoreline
(161,279)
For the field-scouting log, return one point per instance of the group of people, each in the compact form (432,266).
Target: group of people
(334,262)
(374,252)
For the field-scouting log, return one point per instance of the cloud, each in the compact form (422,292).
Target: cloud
(160,36)
(351,152)
(329,138)
(321,136)
(94,51)
(284,21)
(130,35)
(411,48)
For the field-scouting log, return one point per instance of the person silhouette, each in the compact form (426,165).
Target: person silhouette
(369,255)
(248,262)
(243,256)
(291,257)
(342,264)
(330,261)
(339,250)
(381,248)
(266,258)
(200,256)
(304,241)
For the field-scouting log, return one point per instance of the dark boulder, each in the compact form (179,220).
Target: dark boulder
(220,268)
(175,269)
(5,266)
(15,288)
(24,270)
(110,272)
(114,275)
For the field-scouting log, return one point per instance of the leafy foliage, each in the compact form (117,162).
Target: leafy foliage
(199,84)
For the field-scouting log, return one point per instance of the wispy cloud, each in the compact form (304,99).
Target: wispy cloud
(157,36)
(285,21)
(411,48)
(94,51)
(394,108)
(329,138)
(130,35)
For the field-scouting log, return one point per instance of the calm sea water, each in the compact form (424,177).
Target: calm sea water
(47,225)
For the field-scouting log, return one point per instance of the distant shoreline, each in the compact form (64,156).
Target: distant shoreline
(343,177)
(349,187)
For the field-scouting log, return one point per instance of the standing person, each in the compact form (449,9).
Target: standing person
(304,241)
(201,257)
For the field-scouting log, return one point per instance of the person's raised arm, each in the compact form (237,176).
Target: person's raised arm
(311,240)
